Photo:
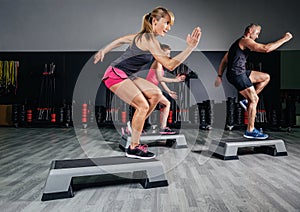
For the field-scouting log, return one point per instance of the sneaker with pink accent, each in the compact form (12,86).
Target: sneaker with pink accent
(167,131)
(140,152)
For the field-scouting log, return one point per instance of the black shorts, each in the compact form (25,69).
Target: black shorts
(242,81)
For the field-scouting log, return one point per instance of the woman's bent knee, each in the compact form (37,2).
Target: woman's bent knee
(143,108)
(157,95)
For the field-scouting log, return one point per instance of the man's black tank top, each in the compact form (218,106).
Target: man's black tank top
(237,59)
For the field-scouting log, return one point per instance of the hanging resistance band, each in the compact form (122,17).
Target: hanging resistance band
(8,77)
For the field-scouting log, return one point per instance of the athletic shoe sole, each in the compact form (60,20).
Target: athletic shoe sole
(167,133)
(252,137)
(139,157)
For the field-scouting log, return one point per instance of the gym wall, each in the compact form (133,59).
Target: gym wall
(77,25)
(289,74)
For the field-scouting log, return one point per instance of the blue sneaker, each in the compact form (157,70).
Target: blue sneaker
(255,134)
(244,103)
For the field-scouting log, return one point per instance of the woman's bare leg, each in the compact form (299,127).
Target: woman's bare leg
(152,93)
(165,111)
(143,96)
(130,93)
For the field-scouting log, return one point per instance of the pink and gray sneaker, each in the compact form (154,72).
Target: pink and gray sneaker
(140,152)
(167,131)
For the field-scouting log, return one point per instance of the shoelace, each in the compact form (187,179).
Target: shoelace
(167,129)
(257,132)
(144,147)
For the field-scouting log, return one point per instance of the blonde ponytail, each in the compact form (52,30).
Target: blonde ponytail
(157,13)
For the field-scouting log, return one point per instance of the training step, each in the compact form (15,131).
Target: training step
(176,140)
(227,149)
(59,184)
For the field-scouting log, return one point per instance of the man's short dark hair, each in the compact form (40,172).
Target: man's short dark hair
(247,29)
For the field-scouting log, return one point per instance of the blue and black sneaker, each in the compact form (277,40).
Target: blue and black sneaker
(255,134)
(244,103)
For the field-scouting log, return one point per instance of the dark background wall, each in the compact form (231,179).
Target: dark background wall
(77,77)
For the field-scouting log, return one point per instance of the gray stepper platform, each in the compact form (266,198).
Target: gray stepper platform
(180,141)
(59,182)
(227,149)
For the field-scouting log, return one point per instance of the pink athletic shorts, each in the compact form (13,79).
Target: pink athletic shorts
(113,76)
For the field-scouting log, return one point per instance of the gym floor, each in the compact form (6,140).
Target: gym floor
(197,180)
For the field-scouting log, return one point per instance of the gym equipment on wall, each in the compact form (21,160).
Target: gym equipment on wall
(261,114)
(15,115)
(63,114)
(84,115)
(88,114)
(100,114)
(273,117)
(68,115)
(209,115)
(22,114)
(109,110)
(8,77)
(290,112)
(235,114)
(124,113)
(239,118)
(47,93)
(230,112)
(202,115)
(182,110)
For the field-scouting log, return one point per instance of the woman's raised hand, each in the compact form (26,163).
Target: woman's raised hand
(194,38)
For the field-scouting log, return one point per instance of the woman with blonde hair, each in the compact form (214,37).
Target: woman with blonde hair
(120,77)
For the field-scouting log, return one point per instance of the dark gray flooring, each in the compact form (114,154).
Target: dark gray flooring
(197,181)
